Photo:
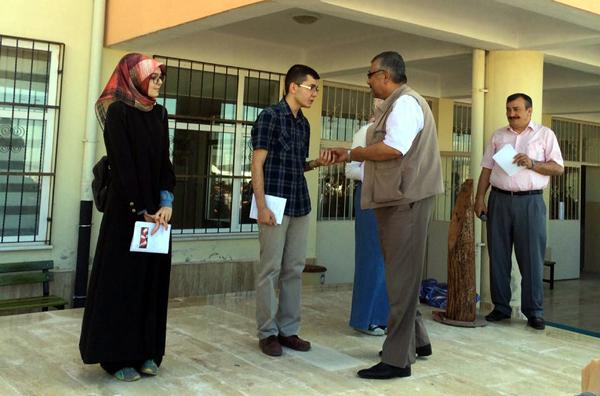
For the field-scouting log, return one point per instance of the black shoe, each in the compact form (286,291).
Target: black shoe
(496,316)
(384,371)
(536,322)
(422,351)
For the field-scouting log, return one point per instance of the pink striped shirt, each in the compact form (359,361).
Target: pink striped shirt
(537,141)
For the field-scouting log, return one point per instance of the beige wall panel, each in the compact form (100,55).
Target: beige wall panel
(68,22)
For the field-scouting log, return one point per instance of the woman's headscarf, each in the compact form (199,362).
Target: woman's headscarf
(129,84)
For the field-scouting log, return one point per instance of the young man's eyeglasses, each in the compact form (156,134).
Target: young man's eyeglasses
(312,88)
(156,78)
(371,73)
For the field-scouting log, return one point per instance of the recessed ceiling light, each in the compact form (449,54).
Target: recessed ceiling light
(305,19)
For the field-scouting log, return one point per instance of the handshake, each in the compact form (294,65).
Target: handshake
(332,156)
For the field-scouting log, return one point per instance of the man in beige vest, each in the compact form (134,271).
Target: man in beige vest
(402,175)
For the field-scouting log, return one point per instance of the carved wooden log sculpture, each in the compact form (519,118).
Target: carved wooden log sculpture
(461,258)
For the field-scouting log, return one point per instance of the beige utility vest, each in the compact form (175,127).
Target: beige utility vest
(415,175)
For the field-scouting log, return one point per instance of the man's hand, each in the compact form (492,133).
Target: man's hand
(479,208)
(326,158)
(523,160)
(266,217)
(340,154)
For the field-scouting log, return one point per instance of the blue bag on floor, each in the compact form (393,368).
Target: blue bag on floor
(434,293)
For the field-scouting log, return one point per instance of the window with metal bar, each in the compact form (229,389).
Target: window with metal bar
(579,143)
(30,86)
(211,111)
(456,163)
(461,127)
(345,109)
(564,194)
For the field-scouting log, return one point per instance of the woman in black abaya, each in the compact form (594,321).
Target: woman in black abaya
(124,323)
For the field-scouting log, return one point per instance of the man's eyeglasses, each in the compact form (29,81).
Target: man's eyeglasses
(156,78)
(371,73)
(312,88)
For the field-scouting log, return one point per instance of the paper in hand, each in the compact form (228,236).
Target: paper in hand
(275,204)
(504,158)
(144,242)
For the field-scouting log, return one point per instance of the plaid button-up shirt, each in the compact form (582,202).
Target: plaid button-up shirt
(286,138)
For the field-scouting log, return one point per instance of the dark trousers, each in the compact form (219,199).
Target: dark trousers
(518,220)
(403,232)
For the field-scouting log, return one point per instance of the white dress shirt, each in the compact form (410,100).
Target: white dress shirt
(354,169)
(403,124)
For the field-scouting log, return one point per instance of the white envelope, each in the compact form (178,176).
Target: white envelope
(276,204)
(504,158)
(144,242)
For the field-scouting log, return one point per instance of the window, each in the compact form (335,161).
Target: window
(461,127)
(456,163)
(211,111)
(579,144)
(30,83)
(564,194)
(345,109)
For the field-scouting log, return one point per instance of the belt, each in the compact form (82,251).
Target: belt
(530,192)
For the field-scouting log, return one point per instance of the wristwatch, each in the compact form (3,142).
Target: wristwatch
(349,154)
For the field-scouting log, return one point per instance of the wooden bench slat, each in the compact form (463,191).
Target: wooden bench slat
(25,278)
(31,302)
(26,266)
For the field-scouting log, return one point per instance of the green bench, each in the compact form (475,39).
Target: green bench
(28,273)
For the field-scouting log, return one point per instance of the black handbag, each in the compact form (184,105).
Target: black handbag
(101,173)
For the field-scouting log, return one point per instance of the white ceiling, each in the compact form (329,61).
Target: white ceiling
(436,38)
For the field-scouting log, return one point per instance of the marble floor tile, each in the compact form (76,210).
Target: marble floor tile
(212,350)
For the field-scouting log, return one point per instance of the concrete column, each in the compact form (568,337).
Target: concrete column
(508,72)
(313,115)
(477,147)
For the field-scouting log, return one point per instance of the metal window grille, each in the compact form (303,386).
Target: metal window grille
(345,109)
(461,128)
(564,194)
(455,170)
(336,194)
(455,164)
(568,134)
(211,111)
(590,136)
(579,143)
(30,91)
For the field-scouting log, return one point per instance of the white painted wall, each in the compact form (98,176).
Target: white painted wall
(335,250)
(563,241)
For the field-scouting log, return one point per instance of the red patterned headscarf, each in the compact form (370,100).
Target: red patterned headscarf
(129,84)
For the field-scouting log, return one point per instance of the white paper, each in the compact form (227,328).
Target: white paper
(504,158)
(144,242)
(276,204)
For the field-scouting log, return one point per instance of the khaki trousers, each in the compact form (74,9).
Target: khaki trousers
(403,233)
(282,260)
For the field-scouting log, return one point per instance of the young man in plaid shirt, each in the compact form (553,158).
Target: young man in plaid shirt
(280,140)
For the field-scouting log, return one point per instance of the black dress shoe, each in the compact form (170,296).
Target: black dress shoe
(496,316)
(536,322)
(384,371)
(422,351)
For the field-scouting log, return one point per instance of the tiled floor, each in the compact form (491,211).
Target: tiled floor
(212,350)
(575,302)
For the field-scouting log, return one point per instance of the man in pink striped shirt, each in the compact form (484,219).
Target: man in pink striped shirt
(516,211)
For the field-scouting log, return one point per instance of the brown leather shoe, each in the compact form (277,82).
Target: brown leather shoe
(270,346)
(294,342)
